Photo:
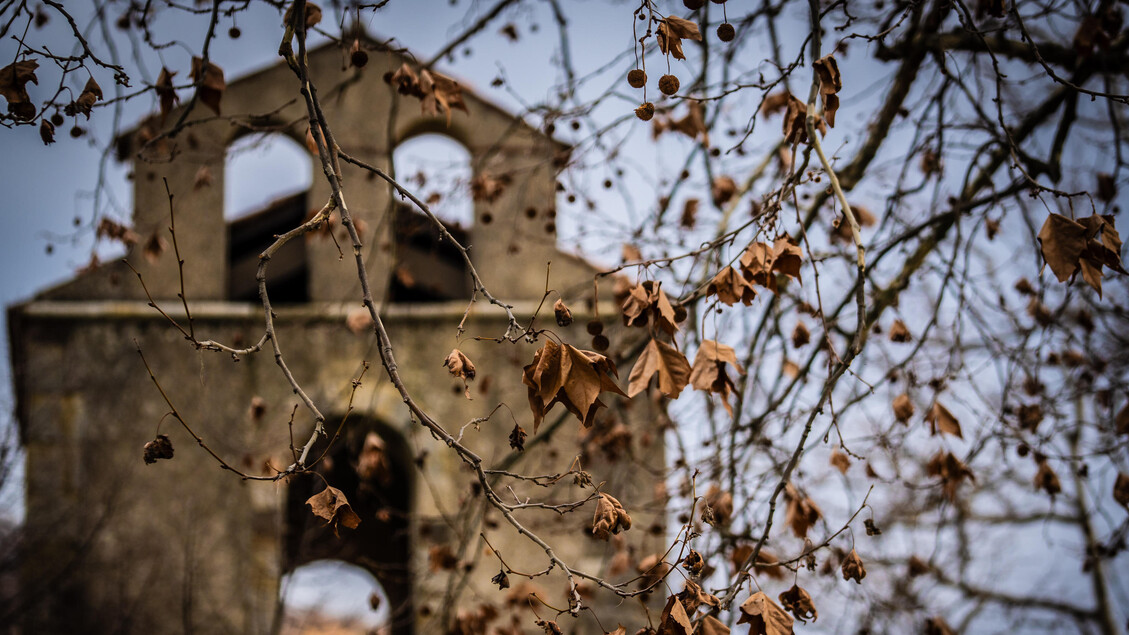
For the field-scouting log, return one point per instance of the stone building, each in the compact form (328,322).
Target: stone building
(115,545)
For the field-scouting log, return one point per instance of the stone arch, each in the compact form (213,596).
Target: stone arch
(371,463)
(331,594)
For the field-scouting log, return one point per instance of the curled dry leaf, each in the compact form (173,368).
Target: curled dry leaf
(158,448)
(166,94)
(659,357)
(830,83)
(1121,489)
(90,95)
(1086,245)
(693,597)
(672,30)
(720,504)
(459,365)
(47,131)
(569,376)
(313,15)
(951,470)
(800,335)
(795,116)
(722,190)
(693,563)
(647,302)
(764,616)
(853,568)
(203,178)
(903,408)
(1046,479)
(331,506)
(562,314)
(611,517)
(210,83)
(801,513)
(517,438)
(731,287)
(798,601)
(760,263)
(113,230)
(487,187)
(709,372)
(689,213)
(440,94)
(501,579)
(674,620)
(13,86)
(939,418)
(840,460)
(899,332)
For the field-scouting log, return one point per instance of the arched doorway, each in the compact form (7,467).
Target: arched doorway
(371,464)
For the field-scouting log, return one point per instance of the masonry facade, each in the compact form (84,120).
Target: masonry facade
(182,546)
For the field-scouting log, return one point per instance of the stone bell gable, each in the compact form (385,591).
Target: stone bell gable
(115,545)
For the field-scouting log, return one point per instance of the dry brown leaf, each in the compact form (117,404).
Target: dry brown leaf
(91,94)
(372,461)
(459,365)
(671,32)
(800,335)
(664,359)
(569,376)
(210,83)
(720,504)
(610,517)
(764,616)
(113,230)
(1121,489)
(647,302)
(1030,415)
(939,418)
(46,131)
(709,372)
(158,448)
(951,470)
(840,460)
(13,86)
(203,178)
(693,124)
(903,408)
(710,625)
(562,314)
(487,187)
(760,262)
(689,213)
(795,117)
(798,601)
(166,94)
(731,287)
(1046,479)
(722,190)
(440,94)
(331,506)
(1107,187)
(313,15)
(853,568)
(899,332)
(1085,245)
(674,620)
(801,513)
(830,83)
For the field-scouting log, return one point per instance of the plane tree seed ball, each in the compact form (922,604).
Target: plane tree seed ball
(645,111)
(668,84)
(726,32)
(636,78)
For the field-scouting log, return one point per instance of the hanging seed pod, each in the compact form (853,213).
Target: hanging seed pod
(668,84)
(636,78)
(726,32)
(645,111)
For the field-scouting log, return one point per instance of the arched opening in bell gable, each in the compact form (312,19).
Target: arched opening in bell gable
(428,268)
(266,182)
